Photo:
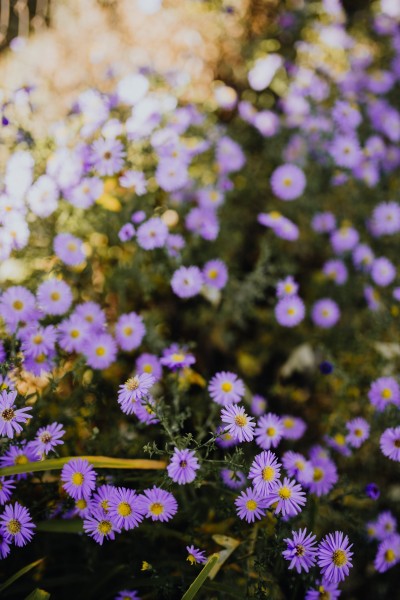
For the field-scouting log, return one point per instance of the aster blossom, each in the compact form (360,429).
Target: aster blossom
(187,282)
(388,554)
(100,526)
(16,524)
(47,438)
(384,391)
(134,389)
(195,555)
(238,423)
(334,556)
(264,471)
(288,182)
(301,550)
(158,504)
(250,505)
(79,478)
(10,416)
(269,431)
(226,388)
(288,496)
(125,509)
(390,443)
(183,466)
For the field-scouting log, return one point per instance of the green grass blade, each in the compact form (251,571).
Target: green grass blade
(38,595)
(101,462)
(61,526)
(20,573)
(200,579)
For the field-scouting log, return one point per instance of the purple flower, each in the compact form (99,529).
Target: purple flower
(16,524)
(79,478)
(326,367)
(363,257)
(372,491)
(345,151)
(293,427)
(150,364)
(325,589)
(339,443)
(297,466)
(358,429)
(125,511)
(384,391)
(126,232)
(176,357)
(16,304)
(301,550)
(233,479)
(10,416)
(92,314)
(47,438)
(334,556)
(7,487)
(38,340)
(4,546)
(269,431)
(336,270)
(152,234)
(390,443)
(195,555)
(288,182)
(215,274)
(290,311)
(100,351)
(187,282)
(18,455)
(238,423)
(85,193)
(286,287)
(210,198)
(129,331)
(226,388)
(230,156)
(324,222)
(386,525)
(386,218)
(204,222)
(135,180)
(73,333)
(134,389)
(383,271)
(100,526)
(258,405)
(107,156)
(388,554)
(171,174)
(157,504)
(264,471)
(324,476)
(102,497)
(69,249)
(127,595)
(344,239)
(183,466)
(288,497)
(325,313)
(250,505)
(54,297)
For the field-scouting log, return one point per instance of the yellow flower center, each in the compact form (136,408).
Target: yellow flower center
(45,437)
(240,420)
(13,526)
(77,478)
(287,182)
(340,439)
(299,464)
(104,505)
(325,312)
(300,550)
(288,287)
(387,394)
(339,558)
(147,368)
(124,509)
(21,459)
(81,504)
(288,423)
(285,493)
(270,431)
(275,214)
(100,351)
(178,357)
(358,432)
(213,273)
(268,473)
(291,311)
(74,333)
(18,305)
(132,383)
(390,555)
(104,527)
(40,359)
(156,508)
(318,474)
(128,330)
(8,414)
(55,296)
(38,339)
(72,247)
(251,505)
(226,386)
(191,559)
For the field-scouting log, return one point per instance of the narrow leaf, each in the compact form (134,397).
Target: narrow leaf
(200,579)
(101,462)
(20,573)
(38,595)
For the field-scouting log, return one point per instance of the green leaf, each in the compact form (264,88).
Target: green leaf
(101,462)
(20,573)
(61,526)
(38,595)
(201,577)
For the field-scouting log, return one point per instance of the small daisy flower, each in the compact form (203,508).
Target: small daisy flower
(176,357)
(384,391)
(288,182)
(73,333)
(69,249)
(79,478)
(288,496)
(264,471)
(10,416)
(134,389)
(290,311)
(16,524)
(47,438)
(358,429)
(100,351)
(38,340)
(152,234)
(124,508)
(126,232)
(107,156)
(22,454)
(7,486)
(325,313)
(223,438)
(102,497)
(339,443)
(301,550)
(388,554)
(269,431)
(334,556)
(344,239)
(258,405)
(195,555)
(100,526)
(386,525)
(390,443)
(93,314)
(129,331)
(127,595)
(324,477)
(187,282)
(54,297)
(226,388)
(326,590)
(335,270)
(287,287)
(157,504)
(250,505)
(150,364)
(233,479)
(297,466)
(293,427)
(17,304)
(215,274)
(383,271)
(183,466)
(238,423)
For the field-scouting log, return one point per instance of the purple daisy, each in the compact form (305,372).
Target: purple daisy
(135,180)
(288,182)
(325,313)
(233,479)
(384,391)
(176,357)
(344,239)
(290,311)
(16,524)
(238,423)
(386,525)
(363,257)
(10,416)
(269,431)
(107,156)
(288,497)
(287,287)
(345,151)
(226,388)
(183,466)
(372,491)
(69,249)
(150,364)
(250,505)
(215,274)
(383,271)
(100,526)
(324,476)
(54,297)
(386,218)
(100,351)
(126,232)
(390,443)
(4,546)
(223,438)
(7,486)
(358,429)
(195,555)
(301,550)
(325,590)
(336,270)
(38,340)
(297,466)
(93,314)
(264,471)
(152,234)
(324,222)
(102,497)
(47,438)
(134,389)
(125,511)
(79,478)
(22,454)
(127,595)
(334,556)
(157,504)
(187,282)
(293,427)
(73,333)
(388,554)
(171,174)
(258,405)
(129,331)
(16,304)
